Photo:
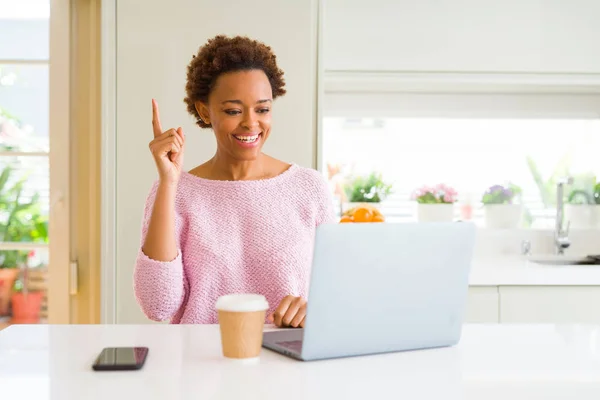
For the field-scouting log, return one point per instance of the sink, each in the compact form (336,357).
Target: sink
(563,260)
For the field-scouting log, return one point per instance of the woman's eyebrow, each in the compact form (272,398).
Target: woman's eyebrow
(240,102)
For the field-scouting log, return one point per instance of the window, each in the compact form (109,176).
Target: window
(468,141)
(24,138)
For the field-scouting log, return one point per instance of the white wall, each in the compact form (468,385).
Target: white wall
(155,41)
(462,35)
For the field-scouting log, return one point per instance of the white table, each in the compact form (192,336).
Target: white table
(491,362)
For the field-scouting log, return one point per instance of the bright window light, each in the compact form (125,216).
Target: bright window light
(24,9)
(469,154)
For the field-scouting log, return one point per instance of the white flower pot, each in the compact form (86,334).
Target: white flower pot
(503,216)
(435,212)
(582,216)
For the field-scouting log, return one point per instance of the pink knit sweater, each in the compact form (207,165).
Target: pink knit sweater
(234,237)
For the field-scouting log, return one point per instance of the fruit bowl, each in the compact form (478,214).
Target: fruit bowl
(362,213)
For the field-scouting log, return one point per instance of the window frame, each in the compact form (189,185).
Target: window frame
(23,245)
(59,232)
(373,94)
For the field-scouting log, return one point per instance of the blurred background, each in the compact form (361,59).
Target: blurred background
(434,110)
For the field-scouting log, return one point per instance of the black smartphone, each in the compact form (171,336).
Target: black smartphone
(120,359)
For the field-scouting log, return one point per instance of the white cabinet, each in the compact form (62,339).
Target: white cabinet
(482,305)
(549,304)
(533,304)
(510,36)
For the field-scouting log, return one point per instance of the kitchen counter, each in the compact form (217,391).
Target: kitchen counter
(517,271)
(491,362)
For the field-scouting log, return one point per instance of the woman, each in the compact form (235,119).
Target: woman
(242,222)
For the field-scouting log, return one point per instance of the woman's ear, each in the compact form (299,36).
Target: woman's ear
(202,110)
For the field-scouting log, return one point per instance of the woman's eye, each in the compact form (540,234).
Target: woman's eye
(263,110)
(232,112)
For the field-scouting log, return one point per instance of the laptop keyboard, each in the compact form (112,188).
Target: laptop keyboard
(295,345)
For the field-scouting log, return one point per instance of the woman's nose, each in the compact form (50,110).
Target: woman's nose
(251,121)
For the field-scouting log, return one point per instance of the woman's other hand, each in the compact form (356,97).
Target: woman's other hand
(167,149)
(290,312)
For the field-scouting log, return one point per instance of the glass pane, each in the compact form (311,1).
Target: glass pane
(26,23)
(24,181)
(24,105)
(471,155)
(24,203)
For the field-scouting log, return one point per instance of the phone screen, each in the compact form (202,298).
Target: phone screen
(121,358)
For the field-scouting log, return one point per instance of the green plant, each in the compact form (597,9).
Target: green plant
(369,189)
(498,194)
(8,116)
(584,190)
(547,187)
(20,221)
(20,285)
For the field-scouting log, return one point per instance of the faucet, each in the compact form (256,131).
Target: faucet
(525,247)
(561,237)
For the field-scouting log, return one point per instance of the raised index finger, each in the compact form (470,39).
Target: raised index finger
(155,119)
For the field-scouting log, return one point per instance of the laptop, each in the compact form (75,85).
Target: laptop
(382,287)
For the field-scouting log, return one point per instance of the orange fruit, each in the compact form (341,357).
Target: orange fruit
(378,218)
(350,212)
(363,214)
(346,218)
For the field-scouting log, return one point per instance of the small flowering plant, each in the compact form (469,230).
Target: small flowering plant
(498,194)
(439,194)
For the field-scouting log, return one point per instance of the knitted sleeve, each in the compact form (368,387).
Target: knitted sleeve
(159,286)
(325,207)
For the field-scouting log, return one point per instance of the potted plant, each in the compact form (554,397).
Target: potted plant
(8,276)
(435,204)
(20,221)
(582,208)
(366,189)
(501,209)
(26,304)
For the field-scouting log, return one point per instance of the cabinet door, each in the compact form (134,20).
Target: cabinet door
(461,36)
(549,304)
(482,305)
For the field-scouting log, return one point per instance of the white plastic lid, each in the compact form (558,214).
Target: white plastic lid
(242,302)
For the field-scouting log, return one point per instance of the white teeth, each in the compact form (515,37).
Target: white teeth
(247,139)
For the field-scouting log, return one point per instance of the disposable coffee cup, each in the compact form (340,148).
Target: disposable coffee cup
(241,322)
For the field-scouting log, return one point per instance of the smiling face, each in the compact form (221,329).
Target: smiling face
(239,110)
